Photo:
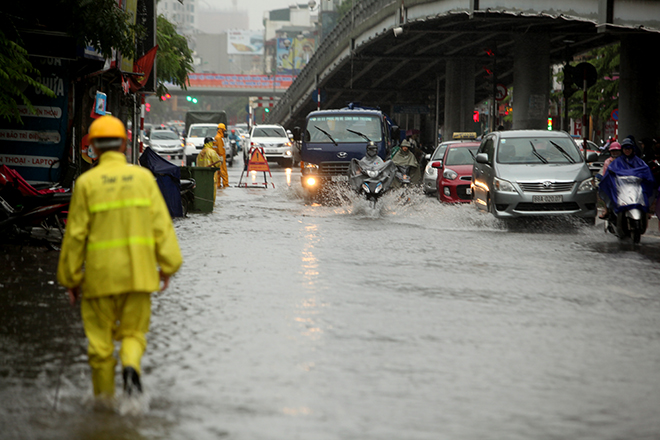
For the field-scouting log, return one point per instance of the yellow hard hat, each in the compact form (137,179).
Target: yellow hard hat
(222,127)
(107,127)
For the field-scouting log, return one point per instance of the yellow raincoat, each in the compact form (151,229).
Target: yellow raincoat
(209,158)
(121,252)
(220,148)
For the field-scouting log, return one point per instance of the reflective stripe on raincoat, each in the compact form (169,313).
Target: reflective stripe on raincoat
(119,227)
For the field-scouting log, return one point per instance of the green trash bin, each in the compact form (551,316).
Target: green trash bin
(204,186)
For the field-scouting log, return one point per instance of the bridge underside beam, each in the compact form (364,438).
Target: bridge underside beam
(387,70)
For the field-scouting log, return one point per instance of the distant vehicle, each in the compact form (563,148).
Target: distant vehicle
(194,141)
(166,144)
(523,173)
(331,138)
(454,178)
(275,142)
(430,178)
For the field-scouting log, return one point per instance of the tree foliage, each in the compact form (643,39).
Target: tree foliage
(97,23)
(602,97)
(174,58)
(16,74)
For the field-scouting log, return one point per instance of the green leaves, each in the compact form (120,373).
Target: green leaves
(16,74)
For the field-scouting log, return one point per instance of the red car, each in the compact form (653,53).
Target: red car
(455,172)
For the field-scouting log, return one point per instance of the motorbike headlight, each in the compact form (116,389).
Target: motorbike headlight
(449,174)
(379,188)
(502,185)
(372,173)
(587,185)
(365,187)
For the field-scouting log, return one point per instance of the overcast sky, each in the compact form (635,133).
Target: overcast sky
(255,8)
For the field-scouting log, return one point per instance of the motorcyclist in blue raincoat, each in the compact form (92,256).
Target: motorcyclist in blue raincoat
(628,164)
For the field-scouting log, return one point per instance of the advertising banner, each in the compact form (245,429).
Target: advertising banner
(229,81)
(36,148)
(242,42)
(293,54)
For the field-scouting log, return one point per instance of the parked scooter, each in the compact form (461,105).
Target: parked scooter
(27,213)
(629,218)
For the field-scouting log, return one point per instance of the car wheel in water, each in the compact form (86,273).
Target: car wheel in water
(489,204)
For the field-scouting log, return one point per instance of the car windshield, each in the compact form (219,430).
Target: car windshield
(321,128)
(209,131)
(542,150)
(440,152)
(163,134)
(461,155)
(268,132)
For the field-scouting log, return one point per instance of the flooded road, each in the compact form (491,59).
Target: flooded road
(412,321)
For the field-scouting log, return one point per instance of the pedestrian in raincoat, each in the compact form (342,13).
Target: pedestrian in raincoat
(220,149)
(209,158)
(118,248)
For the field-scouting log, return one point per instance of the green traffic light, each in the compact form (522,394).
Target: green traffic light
(194,100)
(267,110)
(188,98)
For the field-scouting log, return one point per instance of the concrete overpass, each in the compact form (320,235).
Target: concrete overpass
(437,53)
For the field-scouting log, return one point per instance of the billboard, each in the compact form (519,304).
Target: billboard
(293,54)
(242,42)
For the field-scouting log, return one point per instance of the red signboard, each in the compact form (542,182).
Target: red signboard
(229,81)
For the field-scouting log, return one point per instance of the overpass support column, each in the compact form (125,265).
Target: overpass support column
(639,87)
(531,81)
(459,97)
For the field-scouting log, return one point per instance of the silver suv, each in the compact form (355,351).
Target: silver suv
(521,173)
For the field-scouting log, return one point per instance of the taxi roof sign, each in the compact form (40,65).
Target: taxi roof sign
(464,135)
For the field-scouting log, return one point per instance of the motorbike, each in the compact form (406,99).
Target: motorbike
(30,214)
(403,175)
(628,219)
(371,179)
(187,195)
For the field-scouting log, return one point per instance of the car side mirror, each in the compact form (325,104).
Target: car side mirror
(482,158)
(437,164)
(592,157)
(427,157)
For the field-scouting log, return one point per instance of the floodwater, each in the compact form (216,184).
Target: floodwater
(414,320)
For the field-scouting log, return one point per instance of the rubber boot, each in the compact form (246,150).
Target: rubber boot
(131,381)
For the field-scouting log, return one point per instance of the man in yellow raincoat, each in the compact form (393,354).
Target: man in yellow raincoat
(209,158)
(220,149)
(118,247)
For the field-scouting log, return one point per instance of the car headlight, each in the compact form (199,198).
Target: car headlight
(287,153)
(502,185)
(449,174)
(190,144)
(587,185)
(430,171)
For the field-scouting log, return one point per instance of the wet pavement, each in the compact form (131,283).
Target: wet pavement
(413,320)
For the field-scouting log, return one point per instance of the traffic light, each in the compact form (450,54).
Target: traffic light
(191,99)
(147,107)
(267,109)
(549,123)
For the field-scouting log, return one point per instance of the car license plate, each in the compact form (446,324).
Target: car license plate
(547,199)
(271,151)
(339,178)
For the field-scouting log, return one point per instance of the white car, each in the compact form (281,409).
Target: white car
(275,142)
(166,143)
